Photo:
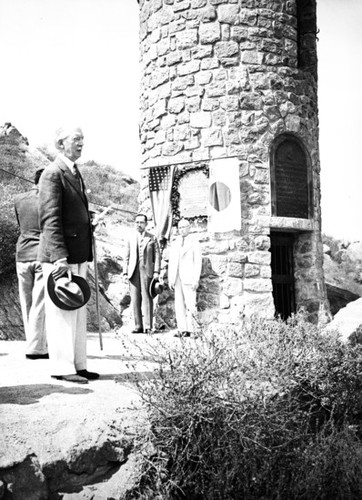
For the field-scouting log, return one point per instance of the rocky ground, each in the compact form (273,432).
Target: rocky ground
(67,441)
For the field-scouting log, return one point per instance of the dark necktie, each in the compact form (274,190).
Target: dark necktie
(77,174)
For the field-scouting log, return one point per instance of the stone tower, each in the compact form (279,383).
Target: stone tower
(229,112)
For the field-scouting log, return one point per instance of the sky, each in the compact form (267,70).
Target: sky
(78,61)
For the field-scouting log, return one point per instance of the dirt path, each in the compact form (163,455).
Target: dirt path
(58,437)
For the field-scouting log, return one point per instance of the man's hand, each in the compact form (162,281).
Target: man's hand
(61,268)
(98,219)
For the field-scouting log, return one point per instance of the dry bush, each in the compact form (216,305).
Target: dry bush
(271,411)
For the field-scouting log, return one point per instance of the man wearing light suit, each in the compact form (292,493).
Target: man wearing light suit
(65,246)
(30,273)
(142,263)
(184,271)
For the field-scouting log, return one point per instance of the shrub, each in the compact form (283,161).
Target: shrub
(268,412)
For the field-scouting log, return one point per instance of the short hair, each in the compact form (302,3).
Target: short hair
(142,215)
(62,133)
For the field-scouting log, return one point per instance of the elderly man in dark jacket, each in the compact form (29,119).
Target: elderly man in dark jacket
(65,246)
(29,272)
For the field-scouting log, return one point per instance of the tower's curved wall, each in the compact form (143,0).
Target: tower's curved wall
(223,79)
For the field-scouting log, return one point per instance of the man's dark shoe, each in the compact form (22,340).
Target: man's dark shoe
(71,378)
(137,330)
(182,334)
(148,331)
(37,356)
(88,375)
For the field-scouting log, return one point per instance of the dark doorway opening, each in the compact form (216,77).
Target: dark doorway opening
(282,265)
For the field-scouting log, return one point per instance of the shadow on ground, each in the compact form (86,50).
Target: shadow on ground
(31,394)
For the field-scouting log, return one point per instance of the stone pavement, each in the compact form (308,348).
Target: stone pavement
(55,436)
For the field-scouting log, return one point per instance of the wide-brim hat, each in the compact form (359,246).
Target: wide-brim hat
(155,287)
(68,292)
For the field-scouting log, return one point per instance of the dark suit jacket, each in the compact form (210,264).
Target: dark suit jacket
(26,211)
(64,217)
(151,255)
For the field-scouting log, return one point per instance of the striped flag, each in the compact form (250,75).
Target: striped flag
(160,185)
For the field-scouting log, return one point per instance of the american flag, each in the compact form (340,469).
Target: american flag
(160,185)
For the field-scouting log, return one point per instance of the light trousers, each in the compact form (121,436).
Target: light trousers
(31,296)
(66,330)
(185,306)
(141,299)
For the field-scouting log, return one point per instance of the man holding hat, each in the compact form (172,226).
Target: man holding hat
(141,265)
(30,273)
(64,250)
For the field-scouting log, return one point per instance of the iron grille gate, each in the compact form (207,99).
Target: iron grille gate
(283,273)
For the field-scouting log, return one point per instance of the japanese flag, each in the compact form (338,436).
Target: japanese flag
(224,195)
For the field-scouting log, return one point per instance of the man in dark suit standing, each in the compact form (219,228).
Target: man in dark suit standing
(65,246)
(30,273)
(142,263)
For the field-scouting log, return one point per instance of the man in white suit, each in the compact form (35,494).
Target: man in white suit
(184,270)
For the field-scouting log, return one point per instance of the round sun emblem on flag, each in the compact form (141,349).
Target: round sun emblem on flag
(220,196)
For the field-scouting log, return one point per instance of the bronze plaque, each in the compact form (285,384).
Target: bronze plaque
(194,192)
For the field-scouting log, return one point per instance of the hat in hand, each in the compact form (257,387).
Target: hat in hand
(155,287)
(68,292)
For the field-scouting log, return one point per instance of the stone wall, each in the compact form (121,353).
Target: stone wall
(223,79)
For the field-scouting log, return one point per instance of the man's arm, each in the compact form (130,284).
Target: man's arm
(157,256)
(50,214)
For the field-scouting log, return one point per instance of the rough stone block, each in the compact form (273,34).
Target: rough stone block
(193,104)
(197,4)
(171,148)
(236,270)
(261,304)
(203,77)
(259,257)
(208,14)
(258,285)
(188,68)
(210,63)
(209,33)
(186,39)
(183,5)
(228,14)
(230,103)
(210,104)
(173,58)
(251,270)
(176,105)
(252,57)
(200,120)
(216,89)
(159,77)
(232,287)
(213,137)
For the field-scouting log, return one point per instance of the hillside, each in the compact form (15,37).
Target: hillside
(106,185)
